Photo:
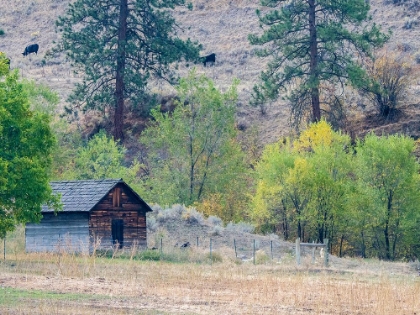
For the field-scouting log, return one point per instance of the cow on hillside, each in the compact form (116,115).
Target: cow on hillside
(210,58)
(31,49)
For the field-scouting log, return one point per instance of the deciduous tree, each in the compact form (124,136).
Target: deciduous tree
(27,144)
(390,173)
(193,155)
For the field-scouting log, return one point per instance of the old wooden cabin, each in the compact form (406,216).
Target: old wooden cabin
(97,214)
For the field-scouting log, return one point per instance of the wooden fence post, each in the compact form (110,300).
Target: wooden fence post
(298,251)
(211,258)
(326,252)
(254,252)
(271,249)
(313,253)
(234,245)
(161,246)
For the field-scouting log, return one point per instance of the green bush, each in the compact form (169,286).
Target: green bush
(215,257)
(153,255)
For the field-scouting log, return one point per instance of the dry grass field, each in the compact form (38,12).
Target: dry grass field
(48,284)
(188,282)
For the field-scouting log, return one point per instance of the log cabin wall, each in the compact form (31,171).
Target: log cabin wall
(118,206)
(64,232)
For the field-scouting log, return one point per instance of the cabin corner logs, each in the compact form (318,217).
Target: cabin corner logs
(97,214)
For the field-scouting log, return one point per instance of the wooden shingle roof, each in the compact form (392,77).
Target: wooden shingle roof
(83,195)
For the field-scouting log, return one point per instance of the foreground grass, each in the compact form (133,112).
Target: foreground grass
(187,282)
(67,284)
(17,301)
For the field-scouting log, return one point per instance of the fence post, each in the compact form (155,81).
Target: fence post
(298,251)
(211,258)
(326,252)
(234,245)
(254,252)
(197,241)
(271,249)
(313,253)
(4,248)
(161,246)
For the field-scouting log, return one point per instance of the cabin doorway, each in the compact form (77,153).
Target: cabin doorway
(118,232)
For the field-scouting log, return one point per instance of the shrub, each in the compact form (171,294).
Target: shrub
(240,227)
(217,231)
(151,224)
(167,214)
(261,257)
(391,75)
(153,255)
(192,216)
(1,32)
(215,257)
(215,221)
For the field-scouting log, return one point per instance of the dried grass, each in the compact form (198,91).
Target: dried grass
(63,283)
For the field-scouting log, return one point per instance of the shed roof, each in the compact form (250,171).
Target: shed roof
(83,195)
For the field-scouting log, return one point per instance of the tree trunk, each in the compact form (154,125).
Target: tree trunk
(386,231)
(119,85)
(314,81)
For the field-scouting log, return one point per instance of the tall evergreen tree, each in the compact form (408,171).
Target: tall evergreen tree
(313,44)
(120,45)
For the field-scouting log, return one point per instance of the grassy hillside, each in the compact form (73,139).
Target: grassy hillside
(222,26)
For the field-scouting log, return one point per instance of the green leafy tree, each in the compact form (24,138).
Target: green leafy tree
(313,45)
(27,144)
(101,158)
(326,178)
(4,65)
(193,155)
(390,176)
(304,184)
(120,45)
(280,198)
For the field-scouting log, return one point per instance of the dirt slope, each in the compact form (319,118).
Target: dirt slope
(222,26)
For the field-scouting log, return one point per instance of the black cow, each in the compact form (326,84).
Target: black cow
(209,58)
(31,49)
(185,245)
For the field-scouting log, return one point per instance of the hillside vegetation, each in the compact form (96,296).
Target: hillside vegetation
(222,27)
(312,186)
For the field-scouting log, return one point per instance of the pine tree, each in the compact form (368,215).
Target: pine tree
(313,44)
(120,45)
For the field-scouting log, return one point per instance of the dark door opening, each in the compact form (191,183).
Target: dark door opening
(118,232)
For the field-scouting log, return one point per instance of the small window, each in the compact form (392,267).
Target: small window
(118,232)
